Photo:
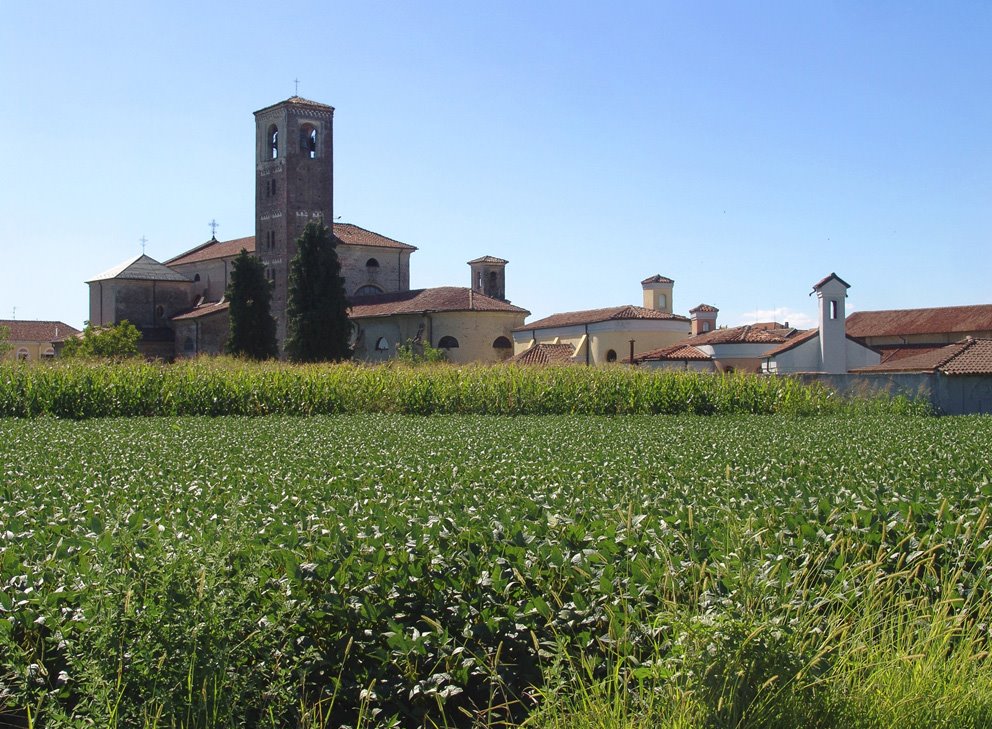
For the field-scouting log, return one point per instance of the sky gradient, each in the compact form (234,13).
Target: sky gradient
(745,150)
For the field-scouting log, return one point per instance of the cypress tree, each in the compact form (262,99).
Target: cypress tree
(317,324)
(253,330)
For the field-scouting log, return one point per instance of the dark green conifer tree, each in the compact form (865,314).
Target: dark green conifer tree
(253,330)
(317,324)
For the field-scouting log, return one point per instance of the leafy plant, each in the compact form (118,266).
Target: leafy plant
(416,353)
(116,342)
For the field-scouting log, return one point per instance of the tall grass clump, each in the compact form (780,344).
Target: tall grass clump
(225,386)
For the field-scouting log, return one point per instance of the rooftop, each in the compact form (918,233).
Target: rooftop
(592,316)
(970,356)
(23,330)
(675,353)
(545,354)
(299,101)
(418,301)
(346,233)
(760,333)
(897,322)
(205,309)
(140,268)
(657,278)
(214,248)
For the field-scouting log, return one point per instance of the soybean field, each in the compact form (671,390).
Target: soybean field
(464,570)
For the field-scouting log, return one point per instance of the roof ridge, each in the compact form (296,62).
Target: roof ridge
(961,347)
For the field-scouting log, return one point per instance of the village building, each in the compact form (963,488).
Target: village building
(772,347)
(31,341)
(603,336)
(731,349)
(898,333)
(179,305)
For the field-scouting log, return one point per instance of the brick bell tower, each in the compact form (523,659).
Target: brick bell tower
(294,184)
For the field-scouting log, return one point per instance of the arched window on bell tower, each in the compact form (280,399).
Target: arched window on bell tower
(273,141)
(308,141)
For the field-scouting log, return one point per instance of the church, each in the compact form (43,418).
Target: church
(179,304)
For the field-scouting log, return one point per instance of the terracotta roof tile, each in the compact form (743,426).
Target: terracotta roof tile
(214,307)
(545,354)
(896,322)
(967,357)
(24,330)
(592,316)
(346,233)
(676,352)
(489,259)
(353,235)
(704,308)
(213,249)
(657,278)
(893,352)
(299,101)
(824,280)
(746,334)
(443,298)
(974,359)
(793,341)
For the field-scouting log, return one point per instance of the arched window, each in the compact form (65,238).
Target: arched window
(381,344)
(368,290)
(159,311)
(503,347)
(493,283)
(706,326)
(274,142)
(48,354)
(662,301)
(611,356)
(372,268)
(196,277)
(308,140)
(448,343)
(22,355)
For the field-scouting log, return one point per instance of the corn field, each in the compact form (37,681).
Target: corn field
(231,387)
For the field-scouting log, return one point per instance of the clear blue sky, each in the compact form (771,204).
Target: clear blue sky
(744,149)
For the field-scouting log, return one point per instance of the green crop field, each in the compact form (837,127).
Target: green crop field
(458,570)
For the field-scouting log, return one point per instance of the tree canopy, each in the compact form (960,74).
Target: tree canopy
(317,324)
(252,328)
(117,341)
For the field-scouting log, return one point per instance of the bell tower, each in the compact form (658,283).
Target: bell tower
(831,292)
(294,184)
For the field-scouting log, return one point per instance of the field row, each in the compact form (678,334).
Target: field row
(316,571)
(233,387)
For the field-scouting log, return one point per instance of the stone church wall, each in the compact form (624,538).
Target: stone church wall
(203,335)
(392,273)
